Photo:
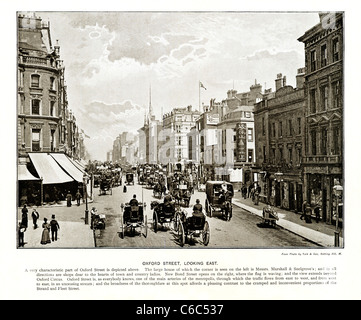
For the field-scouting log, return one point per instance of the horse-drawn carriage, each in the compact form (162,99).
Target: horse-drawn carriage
(133,218)
(219,199)
(129,177)
(191,227)
(105,186)
(163,214)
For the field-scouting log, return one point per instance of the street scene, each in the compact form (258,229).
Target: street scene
(180,130)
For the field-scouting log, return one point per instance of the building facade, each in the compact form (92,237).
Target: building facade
(279,126)
(323,161)
(176,126)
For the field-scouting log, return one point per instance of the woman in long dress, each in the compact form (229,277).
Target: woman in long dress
(45,236)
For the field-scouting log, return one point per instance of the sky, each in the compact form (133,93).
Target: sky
(113,58)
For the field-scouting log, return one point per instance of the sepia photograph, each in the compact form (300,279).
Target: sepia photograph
(180,129)
(180,151)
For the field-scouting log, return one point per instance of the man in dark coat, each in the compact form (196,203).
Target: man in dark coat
(35,216)
(24,216)
(54,227)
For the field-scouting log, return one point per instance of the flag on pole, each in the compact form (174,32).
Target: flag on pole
(202,86)
(86,136)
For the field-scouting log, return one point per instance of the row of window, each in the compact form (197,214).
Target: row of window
(323,58)
(280,156)
(323,142)
(36,107)
(35,81)
(319,100)
(36,140)
(289,130)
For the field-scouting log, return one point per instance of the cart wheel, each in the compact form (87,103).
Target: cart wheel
(206,233)
(145,226)
(181,234)
(206,207)
(175,221)
(121,227)
(155,222)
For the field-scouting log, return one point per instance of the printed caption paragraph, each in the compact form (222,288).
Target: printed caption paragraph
(154,274)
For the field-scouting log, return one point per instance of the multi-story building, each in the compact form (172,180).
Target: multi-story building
(176,125)
(44,124)
(323,161)
(279,128)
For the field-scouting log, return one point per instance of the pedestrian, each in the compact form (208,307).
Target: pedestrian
(21,232)
(304,206)
(24,216)
(308,215)
(317,213)
(35,216)
(78,197)
(68,199)
(125,188)
(45,236)
(54,227)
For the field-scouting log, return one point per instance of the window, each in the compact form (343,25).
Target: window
(35,140)
(35,80)
(290,128)
(313,101)
(263,127)
(179,141)
(52,140)
(273,156)
(313,60)
(247,114)
(290,156)
(273,130)
(250,155)
(299,126)
(324,98)
(281,154)
(323,55)
(336,94)
(336,140)
(324,141)
(299,155)
(313,142)
(335,50)
(35,107)
(52,108)
(280,129)
(178,128)
(250,134)
(52,83)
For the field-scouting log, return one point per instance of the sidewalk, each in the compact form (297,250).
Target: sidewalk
(73,233)
(320,233)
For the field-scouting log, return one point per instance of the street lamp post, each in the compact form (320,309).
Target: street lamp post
(85,182)
(337,189)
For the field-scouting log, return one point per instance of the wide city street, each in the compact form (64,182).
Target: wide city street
(244,230)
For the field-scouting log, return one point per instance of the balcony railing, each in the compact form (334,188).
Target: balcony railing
(323,159)
(36,61)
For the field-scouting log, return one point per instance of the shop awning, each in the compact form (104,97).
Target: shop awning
(68,166)
(48,169)
(24,174)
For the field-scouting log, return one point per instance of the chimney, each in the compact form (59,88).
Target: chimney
(278,81)
(300,78)
(284,81)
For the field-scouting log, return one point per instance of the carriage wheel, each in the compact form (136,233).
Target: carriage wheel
(210,211)
(206,234)
(175,222)
(155,222)
(121,227)
(146,227)
(181,234)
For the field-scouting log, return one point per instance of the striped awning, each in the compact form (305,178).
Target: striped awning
(68,166)
(48,169)
(24,174)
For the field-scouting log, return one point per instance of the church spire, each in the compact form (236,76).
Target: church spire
(150,101)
